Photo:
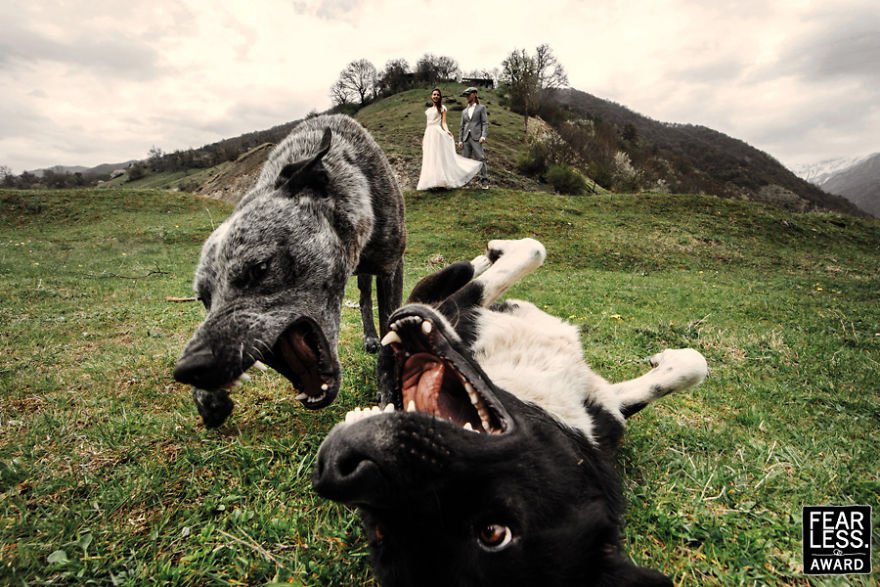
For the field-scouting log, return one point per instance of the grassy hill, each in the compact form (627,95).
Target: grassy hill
(398,123)
(107,476)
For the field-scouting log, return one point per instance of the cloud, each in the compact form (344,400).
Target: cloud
(85,82)
(30,44)
(837,44)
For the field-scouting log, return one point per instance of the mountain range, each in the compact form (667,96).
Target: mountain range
(678,158)
(102,169)
(855,178)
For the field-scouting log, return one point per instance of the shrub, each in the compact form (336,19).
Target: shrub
(536,162)
(566,180)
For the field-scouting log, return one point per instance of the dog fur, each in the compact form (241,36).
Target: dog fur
(493,463)
(272,276)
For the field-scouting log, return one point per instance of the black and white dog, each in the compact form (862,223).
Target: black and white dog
(493,463)
(273,275)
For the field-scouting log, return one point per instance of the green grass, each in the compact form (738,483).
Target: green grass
(398,124)
(107,476)
(165,180)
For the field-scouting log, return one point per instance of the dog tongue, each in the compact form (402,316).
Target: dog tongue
(422,379)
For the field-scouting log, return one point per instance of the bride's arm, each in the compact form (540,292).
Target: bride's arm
(443,124)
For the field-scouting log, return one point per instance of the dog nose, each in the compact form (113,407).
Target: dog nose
(198,366)
(346,473)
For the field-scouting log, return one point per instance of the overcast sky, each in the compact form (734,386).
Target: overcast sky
(84,83)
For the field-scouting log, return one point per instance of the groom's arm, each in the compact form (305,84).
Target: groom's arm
(484,123)
(461,130)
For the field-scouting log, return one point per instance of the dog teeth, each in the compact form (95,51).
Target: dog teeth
(244,377)
(478,404)
(324,387)
(358,414)
(484,418)
(411,406)
(427,327)
(472,393)
(469,428)
(304,397)
(391,337)
(408,320)
(262,367)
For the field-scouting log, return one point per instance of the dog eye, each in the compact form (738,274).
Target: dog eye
(494,537)
(258,272)
(378,536)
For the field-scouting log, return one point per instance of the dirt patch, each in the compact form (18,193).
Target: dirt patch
(232,181)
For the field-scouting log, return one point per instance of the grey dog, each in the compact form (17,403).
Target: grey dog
(272,276)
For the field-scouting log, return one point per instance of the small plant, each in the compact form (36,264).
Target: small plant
(566,180)
(536,162)
(626,176)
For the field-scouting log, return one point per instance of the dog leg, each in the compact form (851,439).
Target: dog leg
(505,263)
(365,285)
(511,261)
(674,370)
(439,285)
(389,292)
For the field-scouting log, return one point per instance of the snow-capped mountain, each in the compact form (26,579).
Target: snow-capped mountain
(857,179)
(821,172)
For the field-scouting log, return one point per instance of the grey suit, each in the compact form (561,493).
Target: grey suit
(472,129)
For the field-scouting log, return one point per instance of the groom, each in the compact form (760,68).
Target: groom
(473,133)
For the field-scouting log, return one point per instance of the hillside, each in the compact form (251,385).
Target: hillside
(107,475)
(696,159)
(666,157)
(398,123)
(858,183)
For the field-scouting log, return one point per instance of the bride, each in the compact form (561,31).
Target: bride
(442,167)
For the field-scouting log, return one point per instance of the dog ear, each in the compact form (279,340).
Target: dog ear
(307,172)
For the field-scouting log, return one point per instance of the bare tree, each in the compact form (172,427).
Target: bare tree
(431,68)
(447,68)
(339,93)
(396,77)
(519,73)
(426,69)
(529,77)
(358,79)
(154,158)
(551,74)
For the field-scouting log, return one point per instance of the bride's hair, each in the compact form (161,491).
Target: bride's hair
(439,104)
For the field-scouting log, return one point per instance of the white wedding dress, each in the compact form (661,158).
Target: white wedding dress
(442,167)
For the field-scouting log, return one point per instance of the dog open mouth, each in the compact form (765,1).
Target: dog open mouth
(433,378)
(302,355)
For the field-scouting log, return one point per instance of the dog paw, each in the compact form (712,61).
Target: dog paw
(688,365)
(528,250)
(480,264)
(371,344)
(213,406)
